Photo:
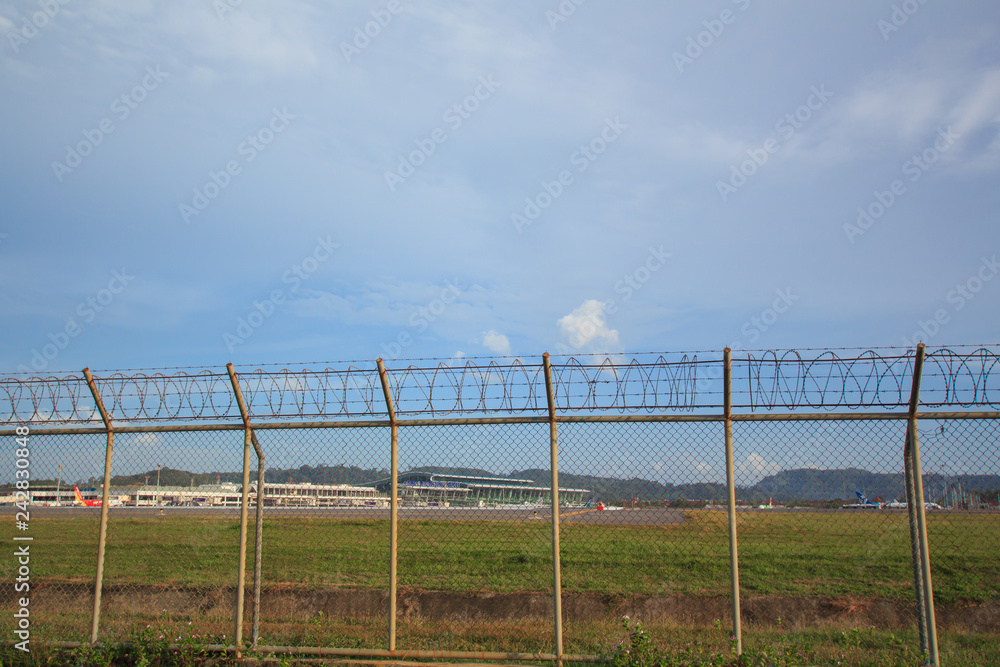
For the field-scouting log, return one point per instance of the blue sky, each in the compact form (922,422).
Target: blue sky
(203,181)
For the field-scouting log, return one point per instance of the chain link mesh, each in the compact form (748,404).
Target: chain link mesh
(172,543)
(63,544)
(960,461)
(654,538)
(475,542)
(814,524)
(325,547)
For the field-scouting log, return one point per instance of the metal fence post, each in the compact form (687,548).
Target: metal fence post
(734,562)
(105,495)
(393,500)
(911,511)
(554,457)
(258,540)
(241,577)
(913,440)
(259,523)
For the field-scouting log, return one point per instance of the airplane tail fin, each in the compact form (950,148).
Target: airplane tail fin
(862,498)
(79,498)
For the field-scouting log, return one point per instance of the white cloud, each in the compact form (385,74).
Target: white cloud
(755,467)
(253,40)
(496,342)
(146,439)
(903,107)
(586,330)
(895,108)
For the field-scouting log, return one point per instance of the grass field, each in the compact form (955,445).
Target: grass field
(859,647)
(799,554)
(802,555)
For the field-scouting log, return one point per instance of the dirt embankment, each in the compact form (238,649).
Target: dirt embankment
(290,603)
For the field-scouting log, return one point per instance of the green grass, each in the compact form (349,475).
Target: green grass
(793,554)
(675,645)
(800,555)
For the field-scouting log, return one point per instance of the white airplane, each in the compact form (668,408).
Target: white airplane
(897,505)
(863,503)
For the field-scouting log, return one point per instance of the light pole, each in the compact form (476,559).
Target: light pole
(158,466)
(58,485)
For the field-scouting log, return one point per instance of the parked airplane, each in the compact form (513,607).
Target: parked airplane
(897,505)
(81,501)
(863,503)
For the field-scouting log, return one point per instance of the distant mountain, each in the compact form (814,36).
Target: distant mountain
(611,489)
(814,484)
(787,486)
(170,477)
(809,484)
(322,474)
(465,472)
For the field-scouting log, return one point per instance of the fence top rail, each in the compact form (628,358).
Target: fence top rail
(763,381)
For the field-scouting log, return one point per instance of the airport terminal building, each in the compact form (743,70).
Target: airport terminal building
(304,494)
(447,490)
(416,489)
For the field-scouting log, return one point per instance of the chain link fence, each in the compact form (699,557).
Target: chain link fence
(816,522)
(410,511)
